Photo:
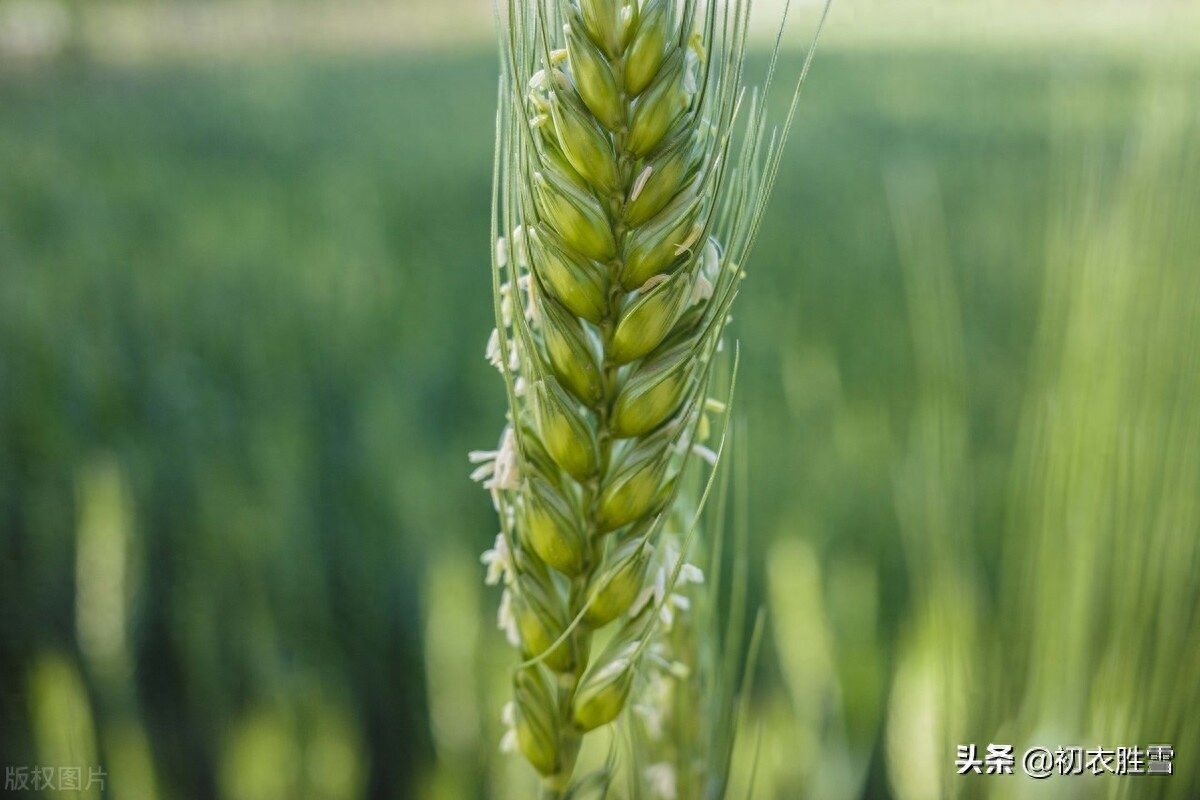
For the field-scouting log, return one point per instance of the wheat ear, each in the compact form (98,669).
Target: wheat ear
(625,235)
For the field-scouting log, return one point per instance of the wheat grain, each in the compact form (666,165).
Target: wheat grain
(627,232)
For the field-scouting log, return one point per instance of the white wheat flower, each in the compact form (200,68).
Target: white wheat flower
(508,715)
(506,621)
(498,470)
(498,561)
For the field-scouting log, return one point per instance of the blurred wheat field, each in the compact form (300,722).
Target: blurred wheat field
(242,309)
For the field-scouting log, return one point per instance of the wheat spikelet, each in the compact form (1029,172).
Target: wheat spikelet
(626,233)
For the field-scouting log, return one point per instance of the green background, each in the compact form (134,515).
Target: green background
(243,308)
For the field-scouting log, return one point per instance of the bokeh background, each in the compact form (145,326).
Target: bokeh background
(244,295)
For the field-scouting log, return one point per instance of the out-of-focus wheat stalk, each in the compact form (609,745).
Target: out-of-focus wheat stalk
(1089,637)
(627,216)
